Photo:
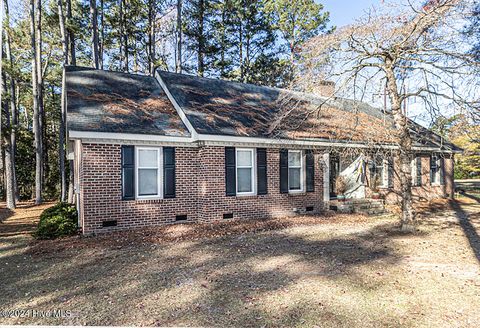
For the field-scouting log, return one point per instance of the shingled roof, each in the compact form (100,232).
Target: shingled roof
(219,107)
(106,101)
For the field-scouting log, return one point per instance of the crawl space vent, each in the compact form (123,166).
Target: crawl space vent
(228,215)
(182,217)
(111,223)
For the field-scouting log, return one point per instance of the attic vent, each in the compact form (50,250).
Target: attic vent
(228,215)
(111,223)
(182,217)
(309,209)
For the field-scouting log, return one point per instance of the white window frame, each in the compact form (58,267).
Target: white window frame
(437,174)
(159,167)
(253,172)
(302,172)
(385,173)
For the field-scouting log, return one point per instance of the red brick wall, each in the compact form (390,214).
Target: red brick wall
(426,191)
(200,191)
(214,203)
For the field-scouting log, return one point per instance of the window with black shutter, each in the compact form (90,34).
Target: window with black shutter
(128,172)
(169,172)
(442,171)
(310,170)
(262,187)
(434,178)
(418,171)
(230,176)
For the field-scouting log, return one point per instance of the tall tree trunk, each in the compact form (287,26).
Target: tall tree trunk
(201,39)
(94,21)
(240,52)
(40,93)
(123,36)
(101,43)
(178,59)
(36,109)
(152,13)
(13,104)
(61,138)
(9,178)
(71,35)
(405,153)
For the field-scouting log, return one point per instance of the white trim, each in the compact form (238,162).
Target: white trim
(252,174)
(177,107)
(125,136)
(302,172)
(222,140)
(159,169)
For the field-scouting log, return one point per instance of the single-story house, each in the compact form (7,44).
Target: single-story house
(173,147)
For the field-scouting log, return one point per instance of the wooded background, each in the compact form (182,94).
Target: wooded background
(243,40)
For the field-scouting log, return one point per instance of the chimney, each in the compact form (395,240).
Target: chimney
(324,88)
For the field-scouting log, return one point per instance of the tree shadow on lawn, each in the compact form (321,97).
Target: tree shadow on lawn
(465,221)
(207,282)
(443,218)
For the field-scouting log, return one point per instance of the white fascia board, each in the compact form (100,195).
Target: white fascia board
(212,139)
(85,135)
(177,107)
(221,140)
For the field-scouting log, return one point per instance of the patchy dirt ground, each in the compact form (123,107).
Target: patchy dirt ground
(313,271)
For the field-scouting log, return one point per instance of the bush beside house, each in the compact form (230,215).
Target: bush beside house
(57,221)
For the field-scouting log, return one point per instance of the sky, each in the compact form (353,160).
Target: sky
(343,12)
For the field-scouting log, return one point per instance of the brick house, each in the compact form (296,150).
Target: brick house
(156,150)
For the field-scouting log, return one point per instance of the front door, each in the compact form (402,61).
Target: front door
(334,171)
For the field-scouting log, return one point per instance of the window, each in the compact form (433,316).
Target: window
(148,173)
(379,172)
(245,160)
(295,170)
(417,171)
(434,170)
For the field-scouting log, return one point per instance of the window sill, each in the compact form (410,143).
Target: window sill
(297,192)
(249,194)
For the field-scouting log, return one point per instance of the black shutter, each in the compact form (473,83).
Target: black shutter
(169,172)
(284,171)
(390,172)
(230,174)
(419,171)
(128,172)
(310,170)
(262,188)
(442,171)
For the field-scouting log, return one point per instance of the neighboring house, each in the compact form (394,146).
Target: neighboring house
(154,150)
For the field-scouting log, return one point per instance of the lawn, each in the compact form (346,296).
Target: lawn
(327,271)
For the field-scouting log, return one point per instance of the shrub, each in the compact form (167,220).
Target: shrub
(57,221)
